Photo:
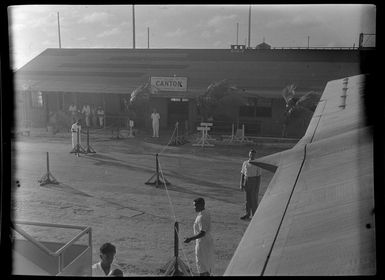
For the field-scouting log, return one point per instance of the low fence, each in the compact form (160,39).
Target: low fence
(252,128)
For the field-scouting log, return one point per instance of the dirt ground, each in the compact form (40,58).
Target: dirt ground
(107,192)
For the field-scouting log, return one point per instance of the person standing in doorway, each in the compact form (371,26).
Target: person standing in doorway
(250,181)
(75,129)
(73,111)
(155,123)
(87,113)
(93,116)
(100,113)
(204,243)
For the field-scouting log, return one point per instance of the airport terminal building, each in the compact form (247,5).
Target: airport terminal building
(106,77)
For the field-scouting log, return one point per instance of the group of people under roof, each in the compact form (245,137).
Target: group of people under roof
(92,116)
(204,242)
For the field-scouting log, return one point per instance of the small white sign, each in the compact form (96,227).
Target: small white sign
(169,83)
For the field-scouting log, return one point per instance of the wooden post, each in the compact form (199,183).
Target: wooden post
(157,180)
(157,171)
(77,140)
(176,243)
(47,178)
(89,148)
(47,163)
(176,246)
(88,136)
(105,111)
(175,266)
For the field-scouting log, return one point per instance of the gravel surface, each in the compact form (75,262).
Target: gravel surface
(107,192)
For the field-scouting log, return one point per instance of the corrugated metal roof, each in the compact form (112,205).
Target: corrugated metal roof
(122,70)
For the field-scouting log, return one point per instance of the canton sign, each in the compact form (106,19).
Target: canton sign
(169,83)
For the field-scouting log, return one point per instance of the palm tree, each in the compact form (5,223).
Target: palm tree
(142,93)
(138,99)
(297,107)
(220,100)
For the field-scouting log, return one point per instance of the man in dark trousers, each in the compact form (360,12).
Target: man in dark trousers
(250,181)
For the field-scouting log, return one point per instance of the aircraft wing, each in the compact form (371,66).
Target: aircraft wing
(316,216)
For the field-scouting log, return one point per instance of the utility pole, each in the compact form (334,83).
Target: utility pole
(237,31)
(248,45)
(308,40)
(133,26)
(58,28)
(148,37)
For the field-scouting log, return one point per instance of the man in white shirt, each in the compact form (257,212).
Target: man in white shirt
(73,110)
(106,265)
(100,113)
(155,123)
(116,273)
(74,130)
(204,244)
(250,181)
(87,112)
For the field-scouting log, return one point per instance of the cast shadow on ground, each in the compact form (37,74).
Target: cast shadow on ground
(121,164)
(66,188)
(177,188)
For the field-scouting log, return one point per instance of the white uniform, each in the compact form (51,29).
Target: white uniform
(100,113)
(97,269)
(204,247)
(155,124)
(74,129)
(87,111)
(73,110)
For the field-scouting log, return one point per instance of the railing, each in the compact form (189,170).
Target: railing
(252,127)
(60,252)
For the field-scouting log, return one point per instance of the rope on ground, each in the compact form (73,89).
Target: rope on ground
(173,213)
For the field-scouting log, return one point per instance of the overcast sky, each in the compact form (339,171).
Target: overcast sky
(34,28)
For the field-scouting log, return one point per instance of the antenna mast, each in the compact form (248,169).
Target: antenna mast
(133,26)
(58,29)
(249,25)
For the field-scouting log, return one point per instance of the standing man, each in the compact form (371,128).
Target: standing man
(74,130)
(100,113)
(106,265)
(250,181)
(87,113)
(155,123)
(204,244)
(93,115)
(73,110)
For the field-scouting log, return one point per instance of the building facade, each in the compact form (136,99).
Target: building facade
(57,78)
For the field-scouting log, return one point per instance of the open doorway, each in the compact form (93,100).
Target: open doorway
(178,110)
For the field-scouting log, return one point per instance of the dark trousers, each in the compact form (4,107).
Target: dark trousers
(252,190)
